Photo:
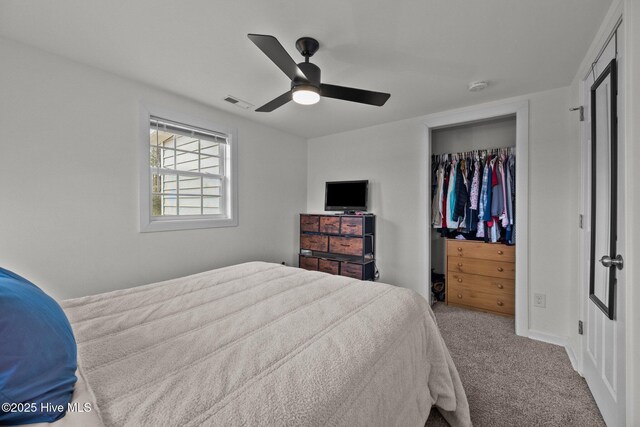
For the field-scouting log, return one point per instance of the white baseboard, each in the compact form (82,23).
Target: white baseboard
(546,337)
(572,357)
(557,340)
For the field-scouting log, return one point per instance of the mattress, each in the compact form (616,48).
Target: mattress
(261,344)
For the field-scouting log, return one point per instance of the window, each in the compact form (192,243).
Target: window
(188,182)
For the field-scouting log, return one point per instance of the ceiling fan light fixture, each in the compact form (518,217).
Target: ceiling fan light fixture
(306,94)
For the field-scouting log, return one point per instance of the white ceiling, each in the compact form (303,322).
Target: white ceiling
(423,52)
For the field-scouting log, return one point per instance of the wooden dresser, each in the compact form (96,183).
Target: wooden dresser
(338,244)
(481,276)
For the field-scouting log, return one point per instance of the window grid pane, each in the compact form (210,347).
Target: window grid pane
(187,173)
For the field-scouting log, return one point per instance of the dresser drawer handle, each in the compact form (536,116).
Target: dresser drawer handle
(500,303)
(309,223)
(459,264)
(459,295)
(500,269)
(459,280)
(459,249)
(500,286)
(345,245)
(351,225)
(313,242)
(500,252)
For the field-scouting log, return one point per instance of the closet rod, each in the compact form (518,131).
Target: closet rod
(510,150)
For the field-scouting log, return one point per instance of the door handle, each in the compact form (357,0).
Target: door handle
(607,261)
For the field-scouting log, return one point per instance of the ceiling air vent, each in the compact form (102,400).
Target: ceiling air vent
(238,102)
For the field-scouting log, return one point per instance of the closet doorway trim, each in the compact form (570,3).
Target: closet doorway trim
(468,115)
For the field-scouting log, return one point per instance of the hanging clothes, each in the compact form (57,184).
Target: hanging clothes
(473,194)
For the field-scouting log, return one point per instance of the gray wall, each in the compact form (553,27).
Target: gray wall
(496,133)
(71,225)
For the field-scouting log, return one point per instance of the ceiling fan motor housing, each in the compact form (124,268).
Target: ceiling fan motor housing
(312,72)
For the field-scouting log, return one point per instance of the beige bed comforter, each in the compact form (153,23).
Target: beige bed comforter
(263,344)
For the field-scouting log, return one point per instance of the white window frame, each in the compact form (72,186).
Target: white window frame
(229,218)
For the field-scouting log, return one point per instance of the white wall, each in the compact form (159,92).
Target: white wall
(393,157)
(69,217)
(495,133)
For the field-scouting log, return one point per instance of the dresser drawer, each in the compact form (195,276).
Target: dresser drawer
(346,245)
(355,271)
(481,250)
(505,270)
(484,301)
(330,224)
(308,263)
(352,226)
(491,285)
(329,266)
(314,242)
(310,223)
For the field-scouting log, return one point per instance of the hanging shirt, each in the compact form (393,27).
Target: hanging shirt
(508,199)
(445,192)
(497,201)
(482,201)
(475,186)
(461,193)
(436,204)
(504,218)
(489,193)
(451,197)
(471,215)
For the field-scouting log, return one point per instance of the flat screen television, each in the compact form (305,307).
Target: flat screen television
(346,196)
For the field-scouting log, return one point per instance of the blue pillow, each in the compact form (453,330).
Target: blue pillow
(37,354)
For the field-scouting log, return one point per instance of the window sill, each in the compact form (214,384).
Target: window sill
(187,224)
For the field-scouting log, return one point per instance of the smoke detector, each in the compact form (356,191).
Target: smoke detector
(478,86)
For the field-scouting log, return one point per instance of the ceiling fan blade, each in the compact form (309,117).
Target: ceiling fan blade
(276,103)
(274,50)
(354,95)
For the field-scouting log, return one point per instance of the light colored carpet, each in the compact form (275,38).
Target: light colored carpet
(511,380)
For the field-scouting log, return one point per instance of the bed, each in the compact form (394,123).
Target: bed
(261,344)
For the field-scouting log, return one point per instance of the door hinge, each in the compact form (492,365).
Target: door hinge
(581,221)
(580,329)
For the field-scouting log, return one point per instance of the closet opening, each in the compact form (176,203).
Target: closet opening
(477,235)
(473,229)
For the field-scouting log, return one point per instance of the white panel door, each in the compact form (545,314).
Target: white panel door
(603,344)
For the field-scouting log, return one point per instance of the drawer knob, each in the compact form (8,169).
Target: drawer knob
(459,249)
(500,303)
(459,264)
(500,269)
(459,295)
(500,252)
(459,280)
(500,286)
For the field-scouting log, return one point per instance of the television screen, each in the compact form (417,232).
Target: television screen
(346,196)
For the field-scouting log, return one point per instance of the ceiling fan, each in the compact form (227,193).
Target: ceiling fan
(306,88)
